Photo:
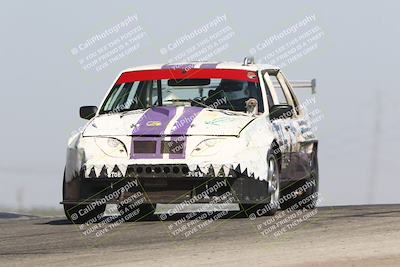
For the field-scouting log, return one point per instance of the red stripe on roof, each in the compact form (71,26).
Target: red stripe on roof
(179,74)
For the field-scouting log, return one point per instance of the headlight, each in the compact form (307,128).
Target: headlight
(111,147)
(207,147)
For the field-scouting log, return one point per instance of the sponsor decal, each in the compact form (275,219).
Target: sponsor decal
(219,121)
(153,123)
(251,75)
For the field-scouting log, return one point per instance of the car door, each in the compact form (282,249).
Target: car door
(297,137)
(289,131)
(285,135)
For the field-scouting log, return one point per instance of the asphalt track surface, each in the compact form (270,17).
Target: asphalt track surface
(330,236)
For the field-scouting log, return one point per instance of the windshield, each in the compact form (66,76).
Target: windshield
(218,93)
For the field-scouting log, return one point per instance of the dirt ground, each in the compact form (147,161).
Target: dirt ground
(331,236)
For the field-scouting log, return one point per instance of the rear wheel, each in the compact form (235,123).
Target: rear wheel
(303,193)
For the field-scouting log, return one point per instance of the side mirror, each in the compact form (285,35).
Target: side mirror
(281,111)
(87,112)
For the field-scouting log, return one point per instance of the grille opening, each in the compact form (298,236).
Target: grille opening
(130,172)
(185,170)
(143,147)
(162,170)
(172,147)
(175,169)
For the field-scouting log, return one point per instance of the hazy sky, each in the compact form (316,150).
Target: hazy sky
(355,60)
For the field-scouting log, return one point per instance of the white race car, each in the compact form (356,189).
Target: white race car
(193,133)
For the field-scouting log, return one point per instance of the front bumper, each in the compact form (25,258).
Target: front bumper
(167,184)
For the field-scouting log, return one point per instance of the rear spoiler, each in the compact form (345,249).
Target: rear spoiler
(312,84)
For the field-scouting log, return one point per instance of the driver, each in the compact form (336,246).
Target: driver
(235,92)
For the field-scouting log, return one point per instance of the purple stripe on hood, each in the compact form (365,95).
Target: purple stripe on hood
(181,127)
(150,127)
(184,122)
(154,121)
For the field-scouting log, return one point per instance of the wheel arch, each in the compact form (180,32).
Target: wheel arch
(274,147)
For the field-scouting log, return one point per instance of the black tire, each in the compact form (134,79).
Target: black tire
(307,198)
(72,212)
(271,207)
(314,177)
(274,197)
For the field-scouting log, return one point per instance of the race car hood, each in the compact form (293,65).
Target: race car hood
(169,121)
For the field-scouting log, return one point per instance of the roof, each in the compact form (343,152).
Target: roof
(205,65)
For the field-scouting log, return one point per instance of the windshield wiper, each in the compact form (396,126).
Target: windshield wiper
(187,100)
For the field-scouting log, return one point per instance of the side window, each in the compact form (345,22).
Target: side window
(281,93)
(268,92)
(279,90)
(292,100)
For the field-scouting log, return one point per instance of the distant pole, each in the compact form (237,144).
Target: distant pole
(375,148)
(20,198)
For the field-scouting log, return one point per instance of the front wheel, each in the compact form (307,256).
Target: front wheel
(273,178)
(81,213)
